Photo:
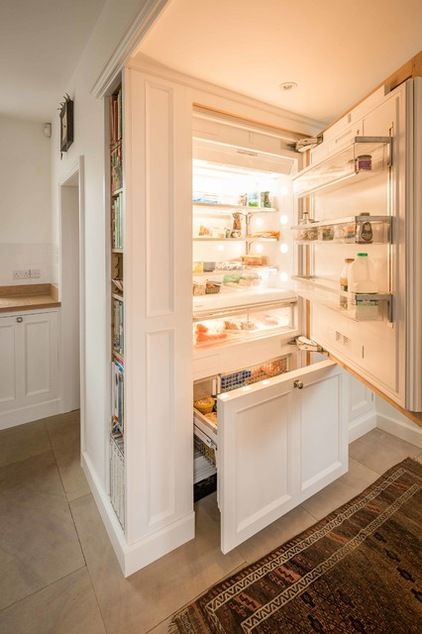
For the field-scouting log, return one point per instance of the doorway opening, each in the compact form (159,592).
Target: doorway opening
(72,293)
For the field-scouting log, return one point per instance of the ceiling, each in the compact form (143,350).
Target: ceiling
(40,45)
(336,50)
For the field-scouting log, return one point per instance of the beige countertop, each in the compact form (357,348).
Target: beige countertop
(28,297)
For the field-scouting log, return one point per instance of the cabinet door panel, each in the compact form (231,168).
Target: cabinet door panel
(323,408)
(277,445)
(8,370)
(257,443)
(40,354)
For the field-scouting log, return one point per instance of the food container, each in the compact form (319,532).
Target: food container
(212,288)
(265,199)
(364,162)
(209,267)
(198,267)
(326,233)
(199,288)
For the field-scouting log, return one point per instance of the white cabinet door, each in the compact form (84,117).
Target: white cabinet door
(39,363)
(29,355)
(278,443)
(323,417)
(8,368)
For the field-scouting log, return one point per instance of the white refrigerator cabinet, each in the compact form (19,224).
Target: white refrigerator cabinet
(279,442)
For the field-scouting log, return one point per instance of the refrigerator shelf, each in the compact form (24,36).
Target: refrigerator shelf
(221,207)
(245,239)
(356,306)
(364,157)
(360,229)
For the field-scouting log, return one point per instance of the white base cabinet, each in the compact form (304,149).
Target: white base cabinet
(29,370)
(279,442)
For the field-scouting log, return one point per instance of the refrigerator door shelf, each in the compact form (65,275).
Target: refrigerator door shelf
(364,157)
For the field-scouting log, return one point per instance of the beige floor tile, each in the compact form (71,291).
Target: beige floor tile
(340,491)
(276,534)
(380,451)
(68,606)
(23,441)
(64,433)
(38,541)
(151,595)
(162,628)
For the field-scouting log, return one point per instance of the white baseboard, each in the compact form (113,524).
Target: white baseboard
(406,431)
(362,425)
(135,556)
(30,413)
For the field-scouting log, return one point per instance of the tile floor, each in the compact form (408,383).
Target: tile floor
(59,574)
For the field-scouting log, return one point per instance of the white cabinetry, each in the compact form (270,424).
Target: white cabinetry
(29,368)
(279,442)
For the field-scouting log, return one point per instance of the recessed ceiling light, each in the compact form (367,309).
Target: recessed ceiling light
(288,85)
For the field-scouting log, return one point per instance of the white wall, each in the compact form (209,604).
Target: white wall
(393,422)
(25,207)
(112,25)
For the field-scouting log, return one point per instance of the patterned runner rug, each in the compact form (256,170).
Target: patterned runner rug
(357,570)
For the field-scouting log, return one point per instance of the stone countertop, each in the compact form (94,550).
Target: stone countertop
(28,297)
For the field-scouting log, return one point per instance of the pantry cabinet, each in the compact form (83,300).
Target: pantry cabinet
(29,369)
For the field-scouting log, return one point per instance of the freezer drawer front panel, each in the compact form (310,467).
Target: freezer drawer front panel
(323,408)
(257,440)
(280,441)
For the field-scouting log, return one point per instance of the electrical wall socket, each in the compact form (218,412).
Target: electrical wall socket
(24,274)
(27,274)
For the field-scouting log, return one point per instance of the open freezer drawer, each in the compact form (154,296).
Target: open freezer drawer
(279,442)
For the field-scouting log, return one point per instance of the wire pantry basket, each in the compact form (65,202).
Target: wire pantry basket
(253,374)
(117,477)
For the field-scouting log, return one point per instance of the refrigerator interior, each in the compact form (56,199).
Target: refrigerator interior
(243,261)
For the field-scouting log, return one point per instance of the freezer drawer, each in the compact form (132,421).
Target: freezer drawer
(279,442)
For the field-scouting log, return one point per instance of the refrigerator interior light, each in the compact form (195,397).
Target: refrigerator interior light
(258,248)
(284,219)
(284,276)
(284,247)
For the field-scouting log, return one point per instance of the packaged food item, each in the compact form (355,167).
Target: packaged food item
(344,281)
(249,279)
(274,367)
(199,288)
(364,162)
(255,260)
(326,233)
(230,325)
(205,405)
(231,278)
(253,199)
(247,325)
(265,234)
(203,231)
(265,199)
(197,267)
(365,233)
(209,267)
(202,335)
(243,200)
(212,288)
(237,224)
(212,417)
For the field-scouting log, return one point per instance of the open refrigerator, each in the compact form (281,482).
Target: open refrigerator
(270,238)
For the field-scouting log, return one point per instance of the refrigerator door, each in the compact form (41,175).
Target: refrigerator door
(267,435)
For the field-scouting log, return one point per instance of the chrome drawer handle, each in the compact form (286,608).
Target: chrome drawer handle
(298,384)
(19,320)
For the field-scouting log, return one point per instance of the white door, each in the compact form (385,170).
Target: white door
(279,441)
